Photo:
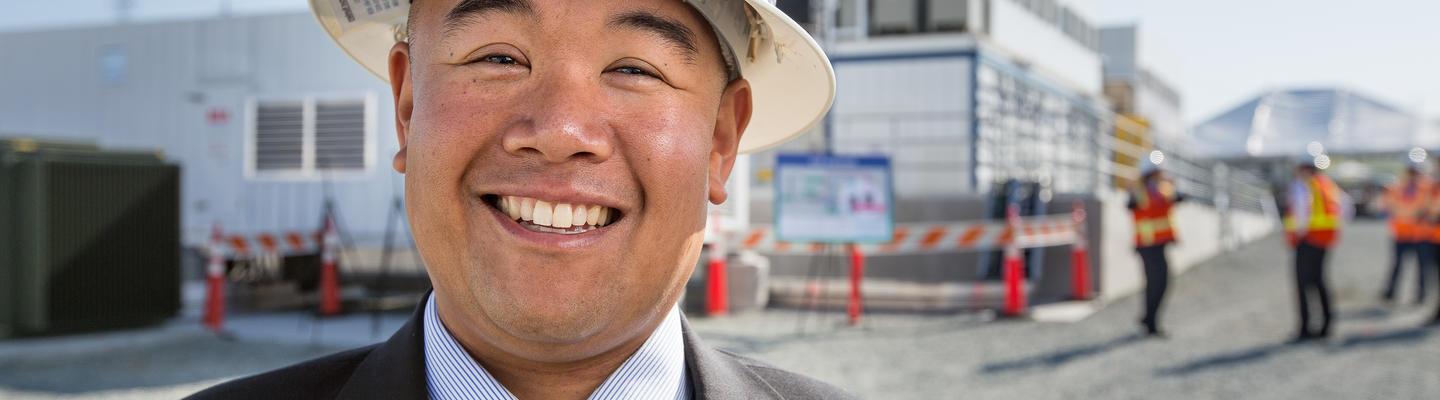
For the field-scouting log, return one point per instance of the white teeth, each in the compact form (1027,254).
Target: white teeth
(563,215)
(592,216)
(578,217)
(543,213)
(554,217)
(527,208)
(512,207)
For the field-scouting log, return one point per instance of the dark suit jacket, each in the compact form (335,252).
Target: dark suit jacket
(395,369)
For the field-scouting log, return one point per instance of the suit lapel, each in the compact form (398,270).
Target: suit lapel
(394,369)
(716,375)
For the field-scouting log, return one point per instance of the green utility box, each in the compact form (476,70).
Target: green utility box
(89,238)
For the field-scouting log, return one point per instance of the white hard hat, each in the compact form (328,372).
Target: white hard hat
(791,80)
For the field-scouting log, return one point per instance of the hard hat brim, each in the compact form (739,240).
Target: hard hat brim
(792,82)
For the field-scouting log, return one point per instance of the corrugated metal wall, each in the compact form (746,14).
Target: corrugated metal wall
(916,110)
(156,86)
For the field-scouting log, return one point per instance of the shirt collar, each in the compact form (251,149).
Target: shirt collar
(656,371)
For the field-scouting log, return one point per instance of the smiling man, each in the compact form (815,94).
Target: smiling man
(559,156)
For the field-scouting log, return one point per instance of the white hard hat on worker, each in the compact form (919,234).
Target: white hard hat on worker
(791,79)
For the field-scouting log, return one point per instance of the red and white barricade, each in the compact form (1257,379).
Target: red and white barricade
(259,257)
(945,237)
(1012,235)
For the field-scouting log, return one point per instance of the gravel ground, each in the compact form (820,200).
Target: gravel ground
(1228,321)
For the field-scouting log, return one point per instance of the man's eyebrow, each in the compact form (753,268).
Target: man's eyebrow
(468,10)
(671,30)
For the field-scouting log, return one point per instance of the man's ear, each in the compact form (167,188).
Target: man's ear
(404,99)
(730,123)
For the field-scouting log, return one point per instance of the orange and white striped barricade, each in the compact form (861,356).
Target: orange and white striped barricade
(1012,235)
(261,256)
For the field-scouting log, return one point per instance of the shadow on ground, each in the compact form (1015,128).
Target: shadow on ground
(1255,354)
(1055,359)
(1231,359)
(1404,336)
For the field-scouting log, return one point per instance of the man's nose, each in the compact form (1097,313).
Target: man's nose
(566,122)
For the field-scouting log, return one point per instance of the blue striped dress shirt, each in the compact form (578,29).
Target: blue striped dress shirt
(655,371)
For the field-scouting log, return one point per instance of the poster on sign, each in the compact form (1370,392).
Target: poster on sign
(833,199)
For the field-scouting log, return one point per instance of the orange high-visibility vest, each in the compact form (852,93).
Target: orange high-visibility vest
(1406,201)
(1431,214)
(1152,217)
(1324,214)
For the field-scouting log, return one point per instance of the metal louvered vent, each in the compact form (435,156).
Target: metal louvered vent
(340,136)
(279,137)
(310,138)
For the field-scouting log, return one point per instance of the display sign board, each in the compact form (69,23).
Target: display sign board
(833,199)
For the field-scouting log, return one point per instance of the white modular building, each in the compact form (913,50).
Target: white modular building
(962,94)
(265,115)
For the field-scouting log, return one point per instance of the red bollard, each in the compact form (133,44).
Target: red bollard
(1012,273)
(214,318)
(717,297)
(329,273)
(1080,267)
(1014,283)
(857,273)
(1080,255)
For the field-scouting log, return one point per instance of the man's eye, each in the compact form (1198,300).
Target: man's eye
(499,59)
(633,71)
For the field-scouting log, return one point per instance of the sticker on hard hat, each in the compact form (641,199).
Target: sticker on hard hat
(350,14)
(370,7)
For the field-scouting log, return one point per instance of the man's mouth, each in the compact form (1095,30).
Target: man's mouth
(553,217)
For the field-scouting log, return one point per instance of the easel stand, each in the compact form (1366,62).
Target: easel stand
(855,302)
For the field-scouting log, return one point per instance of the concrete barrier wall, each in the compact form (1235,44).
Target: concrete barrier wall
(1199,239)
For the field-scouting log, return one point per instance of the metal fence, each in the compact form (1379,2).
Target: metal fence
(948,153)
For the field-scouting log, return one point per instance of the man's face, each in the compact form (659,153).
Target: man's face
(519,107)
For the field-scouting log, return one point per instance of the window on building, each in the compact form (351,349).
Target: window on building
(309,137)
(798,10)
(948,15)
(894,17)
(899,17)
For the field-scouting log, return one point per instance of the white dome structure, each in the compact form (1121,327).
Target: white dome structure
(1300,122)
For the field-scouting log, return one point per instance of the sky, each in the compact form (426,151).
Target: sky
(1219,53)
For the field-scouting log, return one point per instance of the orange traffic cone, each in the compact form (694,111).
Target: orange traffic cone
(717,299)
(1080,255)
(329,274)
(214,317)
(1012,273)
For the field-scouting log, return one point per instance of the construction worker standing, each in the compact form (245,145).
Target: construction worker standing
(1433,224)
(1406,200)
(1312,224)
(1150,202)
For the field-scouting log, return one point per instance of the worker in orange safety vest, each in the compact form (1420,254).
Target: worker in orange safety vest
(1407,201)
(1150,202)
(1433,223)
(1316,210)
